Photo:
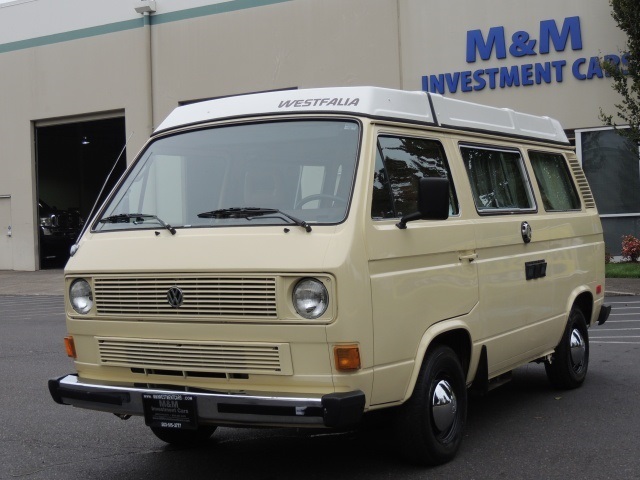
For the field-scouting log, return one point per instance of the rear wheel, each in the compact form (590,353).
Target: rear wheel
(431,424)
(569,363)
(184,437)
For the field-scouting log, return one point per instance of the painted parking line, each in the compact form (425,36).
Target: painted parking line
(623,324)
(621,329)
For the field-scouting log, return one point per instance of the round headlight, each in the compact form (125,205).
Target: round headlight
(81,296)
(310,298)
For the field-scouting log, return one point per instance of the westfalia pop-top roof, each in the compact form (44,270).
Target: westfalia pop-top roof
(421,107)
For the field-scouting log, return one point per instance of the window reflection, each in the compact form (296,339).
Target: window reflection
(400,163)
(497,177)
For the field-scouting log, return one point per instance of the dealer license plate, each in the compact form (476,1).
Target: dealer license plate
(177,411)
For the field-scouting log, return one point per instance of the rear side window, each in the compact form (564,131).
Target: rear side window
(400,163)
(554,181)
(498,180)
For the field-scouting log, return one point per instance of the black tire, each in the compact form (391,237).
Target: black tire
(431,434)
(570,361)
(184,437)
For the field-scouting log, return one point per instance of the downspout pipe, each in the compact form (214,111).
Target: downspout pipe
(149,70)
(146,8)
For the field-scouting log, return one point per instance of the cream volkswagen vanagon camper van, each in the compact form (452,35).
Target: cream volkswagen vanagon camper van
(305,257)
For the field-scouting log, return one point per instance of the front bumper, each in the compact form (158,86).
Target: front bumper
(333,410)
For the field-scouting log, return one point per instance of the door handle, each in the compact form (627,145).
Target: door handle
(468,256)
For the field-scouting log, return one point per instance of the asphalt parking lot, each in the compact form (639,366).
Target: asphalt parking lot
(524,430)
(623,325)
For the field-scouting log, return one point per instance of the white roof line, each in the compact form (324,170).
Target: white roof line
(374,102)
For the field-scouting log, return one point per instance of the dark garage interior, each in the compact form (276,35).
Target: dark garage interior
(72,162)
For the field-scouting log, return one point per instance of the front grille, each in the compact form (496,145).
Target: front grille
(185,356)
(203,297)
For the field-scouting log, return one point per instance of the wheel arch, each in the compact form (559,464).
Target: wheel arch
(456,336)
(584,300)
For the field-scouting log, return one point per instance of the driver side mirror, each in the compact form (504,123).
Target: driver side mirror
(433,201)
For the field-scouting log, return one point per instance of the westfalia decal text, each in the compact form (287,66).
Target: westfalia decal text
(320,102)
(522,45)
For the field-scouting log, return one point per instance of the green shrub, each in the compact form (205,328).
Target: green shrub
(630,248)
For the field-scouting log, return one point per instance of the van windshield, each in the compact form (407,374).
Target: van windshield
(272,173)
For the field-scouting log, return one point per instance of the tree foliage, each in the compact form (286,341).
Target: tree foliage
(626,76)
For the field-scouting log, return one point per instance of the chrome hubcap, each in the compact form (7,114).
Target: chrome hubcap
(443,406)
(578,349)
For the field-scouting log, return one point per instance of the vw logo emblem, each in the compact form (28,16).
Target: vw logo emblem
(175,297)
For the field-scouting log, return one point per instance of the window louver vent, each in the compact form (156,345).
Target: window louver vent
(583,185)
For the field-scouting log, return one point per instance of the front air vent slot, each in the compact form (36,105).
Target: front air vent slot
(182,358)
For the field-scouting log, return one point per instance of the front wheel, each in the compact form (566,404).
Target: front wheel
(184,437)
(569,363)
(432,421)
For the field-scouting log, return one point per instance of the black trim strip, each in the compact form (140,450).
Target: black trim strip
(292,114)
(433,110)
(110,398)
(508,135)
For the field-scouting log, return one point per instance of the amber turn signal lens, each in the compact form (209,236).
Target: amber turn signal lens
(347,358)
(70,346)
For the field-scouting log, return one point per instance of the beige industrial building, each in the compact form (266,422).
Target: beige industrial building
(81,78)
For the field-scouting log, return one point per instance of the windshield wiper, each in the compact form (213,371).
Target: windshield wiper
(250,212)
(137,218)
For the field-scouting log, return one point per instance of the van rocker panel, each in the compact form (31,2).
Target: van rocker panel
(333,410)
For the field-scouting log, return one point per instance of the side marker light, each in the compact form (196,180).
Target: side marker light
(70,346)
(347,358)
